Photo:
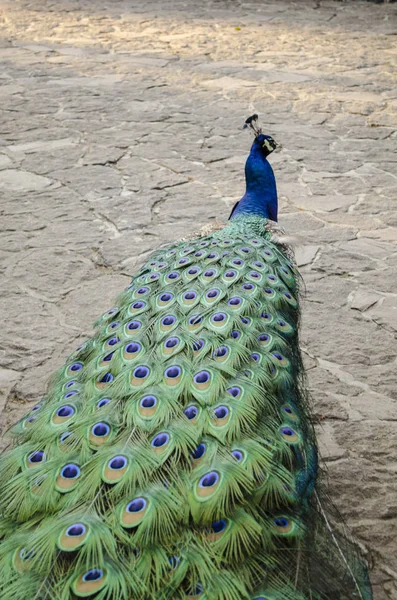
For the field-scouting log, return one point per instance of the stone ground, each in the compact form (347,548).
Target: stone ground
(121,130)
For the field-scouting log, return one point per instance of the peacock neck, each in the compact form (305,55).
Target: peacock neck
(260,197)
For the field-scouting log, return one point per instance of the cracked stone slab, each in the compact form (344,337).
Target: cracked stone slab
(19,180)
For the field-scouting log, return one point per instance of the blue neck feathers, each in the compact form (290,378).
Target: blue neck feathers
(260,198)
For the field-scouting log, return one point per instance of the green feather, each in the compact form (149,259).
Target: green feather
(173,456)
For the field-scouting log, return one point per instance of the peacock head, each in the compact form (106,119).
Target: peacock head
(265,142)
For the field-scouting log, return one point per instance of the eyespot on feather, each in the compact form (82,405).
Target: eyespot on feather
(220,416)
(68,477)
(90,582)
(148,406)
(207,485)
(160,442)
(140,376)
(290,435)
(115,469)
(99,434)
(22,559)
(104,380)
(63,414)
(282,525)
(133,513)
(73,537)
(132,350)
(173,375)
(217,530)
(35,458)
(202,380)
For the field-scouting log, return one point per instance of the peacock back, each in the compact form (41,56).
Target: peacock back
(173,455)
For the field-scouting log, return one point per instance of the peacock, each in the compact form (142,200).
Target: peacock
(173,455)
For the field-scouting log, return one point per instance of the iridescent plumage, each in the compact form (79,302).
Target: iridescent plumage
(173,455)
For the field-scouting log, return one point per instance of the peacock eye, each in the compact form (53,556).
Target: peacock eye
(174,275)
(221,351)
(138,305)
(218,317)
(171,342)
(209,480)
(234,391)
(218,526)
(148,402)
(202,377)
(133,325)
(100,430)
(236,334)
(174,562)
(173,372)
(234,301)
(199,451)
(37,457)
(264,337)
(190,295)
(197,345)
(103,402)
(107,378)
(141,372)
(238,455)
(133,348)
(117,463)
(169,320)
(195,320)
(70,471)
(136,505)
(142,291)
(92,575)
(191,412)
(77,529)
(221,412)
(65,411)
(160,440)
(281,522)
(230,274)
(165,297)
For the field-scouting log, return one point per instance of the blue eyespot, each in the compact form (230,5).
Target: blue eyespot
(136,505)
(92,575)
(199,451)
(70,471)
(209,480)
(76,530)
(160,440)
(100,430)
(148,402)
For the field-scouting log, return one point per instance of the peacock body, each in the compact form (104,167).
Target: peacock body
(173,454)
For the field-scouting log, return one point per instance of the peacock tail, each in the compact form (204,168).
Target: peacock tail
(173,455)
